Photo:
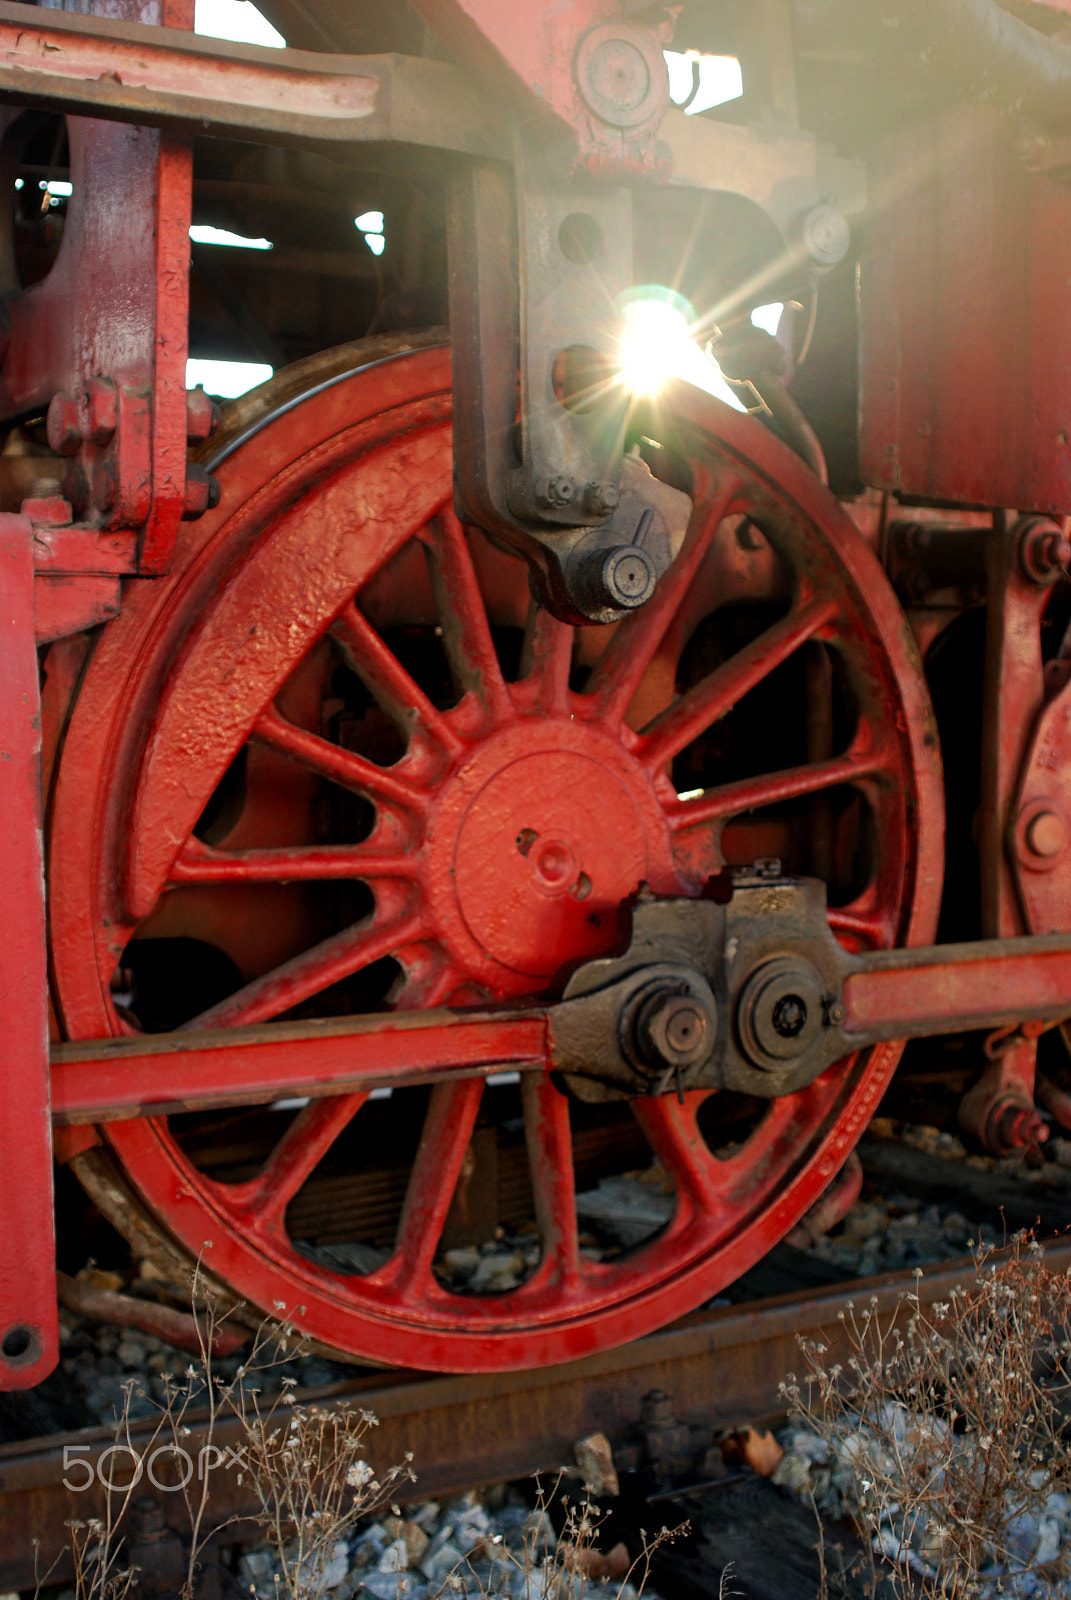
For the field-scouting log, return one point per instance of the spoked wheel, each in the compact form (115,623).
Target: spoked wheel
(337,762)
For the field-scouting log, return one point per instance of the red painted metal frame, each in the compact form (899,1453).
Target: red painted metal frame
(123,423)
(960,987)
(29,1336)
(148,73)
(951,409)
(965,341)
(578,65)
(137,1077)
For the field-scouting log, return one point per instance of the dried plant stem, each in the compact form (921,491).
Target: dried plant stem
(944,1430)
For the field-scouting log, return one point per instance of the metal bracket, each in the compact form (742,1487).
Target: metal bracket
(760,976)
(548,475)
(781,999)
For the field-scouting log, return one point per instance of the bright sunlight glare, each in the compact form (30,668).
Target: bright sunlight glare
(227,379)
(768,318)
(235,19)
(657,344)
(201,233)
(719,79)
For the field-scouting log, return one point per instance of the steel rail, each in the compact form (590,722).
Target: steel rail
(720,1367)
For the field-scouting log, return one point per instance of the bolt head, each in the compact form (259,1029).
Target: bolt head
(556,492)
(674,1030)
(602,498)
(1041,834)
(1044,552)
(826,235)
(202,492)
(621,73)
(101,411)
(789,1016)
(781,1012)
(48,509)
(202,416)
(628,576)
(1046,834)
(606,582)
(64,425)
(1014,1126)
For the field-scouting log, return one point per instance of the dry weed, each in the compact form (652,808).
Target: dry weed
(944,1434)
(308,1469)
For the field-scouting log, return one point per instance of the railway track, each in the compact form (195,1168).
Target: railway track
(718,1367)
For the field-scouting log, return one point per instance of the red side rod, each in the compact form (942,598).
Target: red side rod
(29,1336)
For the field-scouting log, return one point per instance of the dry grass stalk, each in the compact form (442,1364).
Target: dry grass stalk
(307,1468)
(945,1434)
(97,1543)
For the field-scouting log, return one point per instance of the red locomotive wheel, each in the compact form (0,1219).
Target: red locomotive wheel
(336,762)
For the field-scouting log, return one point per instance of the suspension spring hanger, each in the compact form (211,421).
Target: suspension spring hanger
(539,260)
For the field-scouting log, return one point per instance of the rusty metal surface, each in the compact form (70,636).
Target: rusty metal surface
(887,996)
(719,1367)
(965,345)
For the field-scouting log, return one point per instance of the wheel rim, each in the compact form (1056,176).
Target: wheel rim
(336,499)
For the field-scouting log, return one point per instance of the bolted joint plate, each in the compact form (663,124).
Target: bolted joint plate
(783,976)
(757,983)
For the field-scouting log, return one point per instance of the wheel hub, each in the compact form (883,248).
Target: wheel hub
(546,851)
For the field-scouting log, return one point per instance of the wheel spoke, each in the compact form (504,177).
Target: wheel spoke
(749,794)
(547,658)
(447,1130)
(199,863)
(262,1201)
(626,658)
(721,689)
(429,979)
(328,962)
(459,602)
(550,1161)
(390,685)
(673,1134)
(344,767)
(864,923)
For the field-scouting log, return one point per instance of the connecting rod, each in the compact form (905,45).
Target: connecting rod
(700,1000)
